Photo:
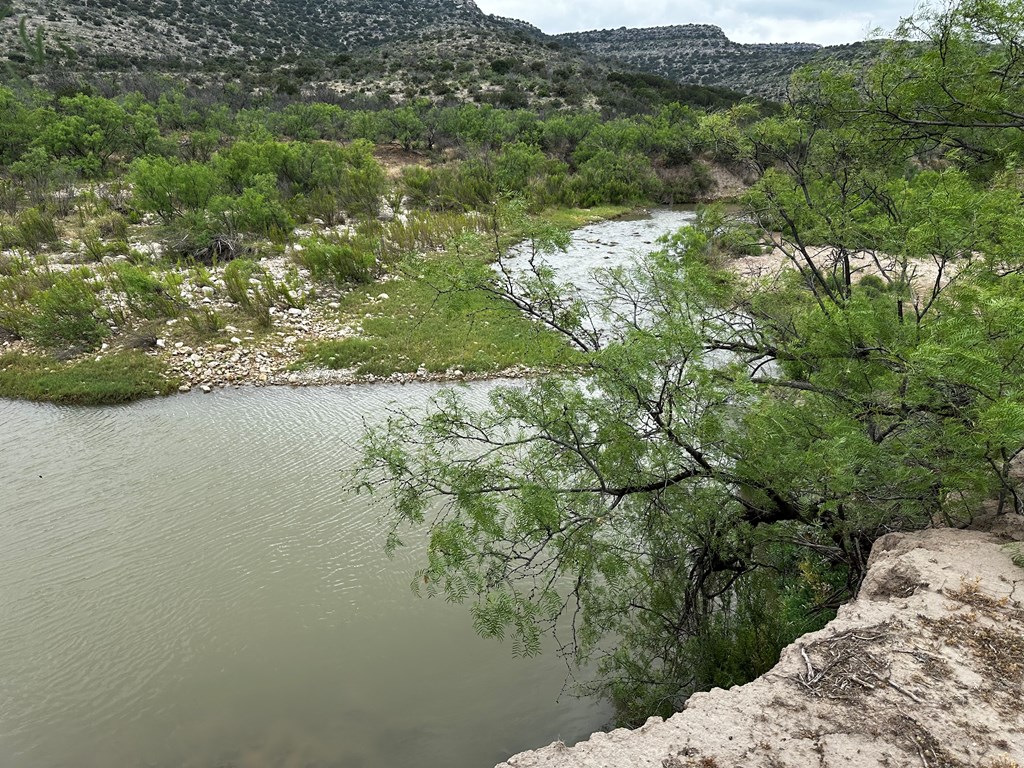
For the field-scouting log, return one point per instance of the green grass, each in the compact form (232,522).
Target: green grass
(465,327)
(574,218)
(115,378)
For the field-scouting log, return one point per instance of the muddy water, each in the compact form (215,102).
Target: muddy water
(187,582)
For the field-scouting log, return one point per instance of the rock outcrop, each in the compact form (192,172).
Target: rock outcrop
(925,669)
(702,54)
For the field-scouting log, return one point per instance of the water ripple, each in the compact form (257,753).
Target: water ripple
(188,582)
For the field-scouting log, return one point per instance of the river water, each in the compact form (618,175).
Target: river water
(188,582)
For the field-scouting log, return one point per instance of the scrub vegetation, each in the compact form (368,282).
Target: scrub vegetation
(711,484)
(159,217)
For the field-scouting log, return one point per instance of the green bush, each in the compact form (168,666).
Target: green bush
(31,229)
(258,210)
(236,280)
(608,177)
(337,261)
(144,294)
(68,314)
(171,189)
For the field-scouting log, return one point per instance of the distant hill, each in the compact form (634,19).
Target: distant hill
(242,28)
(702,54)
(395,49)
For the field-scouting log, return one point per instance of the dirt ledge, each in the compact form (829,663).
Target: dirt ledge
(925,669)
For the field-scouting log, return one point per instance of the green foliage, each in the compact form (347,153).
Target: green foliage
(114,378)
(254,289)
(171,189)
(1016,552)
(258,210)
(144,294)
(607,176)
(438,317)
(89,131)
(337,260)
(31,229)
(34,43)
(67,315)
(237,275)
(711,484)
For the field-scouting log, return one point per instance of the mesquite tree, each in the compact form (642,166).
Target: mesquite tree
(713,475)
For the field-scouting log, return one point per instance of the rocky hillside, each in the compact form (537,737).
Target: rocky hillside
(313,35)
(925,668)
(241,28)
(702,54)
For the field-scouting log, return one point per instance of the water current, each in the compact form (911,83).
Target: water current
(189,582)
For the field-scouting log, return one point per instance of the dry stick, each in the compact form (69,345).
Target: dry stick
(865,683)
(900,688)
(810,667)
(920,752)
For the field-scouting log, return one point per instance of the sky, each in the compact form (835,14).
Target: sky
(828,22)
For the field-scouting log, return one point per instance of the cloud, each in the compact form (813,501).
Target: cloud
(745,21)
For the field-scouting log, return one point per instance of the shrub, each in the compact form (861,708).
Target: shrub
(257,210)
(336,261)
(205,321)
(68,314)
(31,229)
(144,294)
(611,178)
(237,275)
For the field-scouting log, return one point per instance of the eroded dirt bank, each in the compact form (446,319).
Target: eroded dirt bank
(924,669)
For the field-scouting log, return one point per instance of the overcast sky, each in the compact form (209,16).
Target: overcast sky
(745,21)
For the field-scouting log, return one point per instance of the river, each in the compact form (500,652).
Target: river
(188,582)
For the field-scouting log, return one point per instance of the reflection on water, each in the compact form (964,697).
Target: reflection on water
(186,582)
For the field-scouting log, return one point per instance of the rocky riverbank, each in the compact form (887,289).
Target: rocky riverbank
(925,669)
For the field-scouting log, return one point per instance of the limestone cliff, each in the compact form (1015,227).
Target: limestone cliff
(924,669)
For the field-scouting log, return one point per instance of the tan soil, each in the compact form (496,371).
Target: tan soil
(925,669)
(778,258)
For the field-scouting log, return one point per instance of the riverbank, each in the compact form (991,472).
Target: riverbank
(924,668)
(399,328)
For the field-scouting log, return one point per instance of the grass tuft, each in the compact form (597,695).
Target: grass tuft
(116,378)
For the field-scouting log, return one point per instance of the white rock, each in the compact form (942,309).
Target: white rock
(295,312)
(159,342)
(235,340)
(206,388)
(382,297)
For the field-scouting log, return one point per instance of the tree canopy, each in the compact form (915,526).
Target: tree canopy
(708,486)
